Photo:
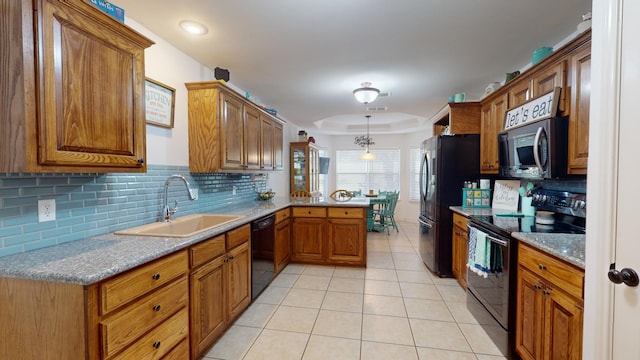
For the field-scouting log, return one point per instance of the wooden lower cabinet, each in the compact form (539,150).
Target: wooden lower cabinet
(220,286)
(460,243)
(308,241)
(282,246)
(330,236)
(141,313)
(549,309)
(347,236)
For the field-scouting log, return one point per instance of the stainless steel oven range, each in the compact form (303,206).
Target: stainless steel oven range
(492,282)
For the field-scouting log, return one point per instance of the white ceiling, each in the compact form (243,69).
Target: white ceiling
(305,57)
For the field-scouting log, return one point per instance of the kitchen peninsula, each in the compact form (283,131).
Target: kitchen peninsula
(67,297)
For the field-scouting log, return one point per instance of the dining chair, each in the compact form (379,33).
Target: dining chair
(386,216)
(300,193)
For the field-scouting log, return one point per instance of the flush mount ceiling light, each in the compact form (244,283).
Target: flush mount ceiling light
(193,28)
(365,141)
(366,93)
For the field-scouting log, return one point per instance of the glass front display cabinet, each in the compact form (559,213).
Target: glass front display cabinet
(304,166)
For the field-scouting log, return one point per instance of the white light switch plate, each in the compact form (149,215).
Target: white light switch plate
(46,210)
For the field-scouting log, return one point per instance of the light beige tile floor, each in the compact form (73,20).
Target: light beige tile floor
(394,309)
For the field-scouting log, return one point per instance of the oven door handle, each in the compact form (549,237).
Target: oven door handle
(491,238)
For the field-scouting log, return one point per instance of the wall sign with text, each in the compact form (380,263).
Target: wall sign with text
(540,108)
(159,103)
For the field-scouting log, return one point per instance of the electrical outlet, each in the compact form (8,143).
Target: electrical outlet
(234,190)
(46,210)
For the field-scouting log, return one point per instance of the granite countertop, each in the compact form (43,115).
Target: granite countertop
(568,247)
(90,260)
(470,211)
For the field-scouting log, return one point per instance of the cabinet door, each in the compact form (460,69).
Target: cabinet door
(208,305)
(282,244)
(314,170)
(529,315)
(563,325)
(492,122)
(252,138)
(308,237)
(555,76)
(239,279)
(346,241)
(278,146)
(579,117)
(267,130)
(520,93)
(90,84)
(231,132)
(460,255)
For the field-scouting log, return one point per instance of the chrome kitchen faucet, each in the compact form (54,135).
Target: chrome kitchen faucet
(167,211)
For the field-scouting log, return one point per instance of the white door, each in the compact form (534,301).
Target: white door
(612,312)
(626,312)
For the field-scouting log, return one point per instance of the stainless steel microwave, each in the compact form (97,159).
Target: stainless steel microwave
(534,151)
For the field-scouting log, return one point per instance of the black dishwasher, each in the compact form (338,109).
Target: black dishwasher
(262,260)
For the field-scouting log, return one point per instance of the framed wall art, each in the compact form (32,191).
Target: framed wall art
(159,103)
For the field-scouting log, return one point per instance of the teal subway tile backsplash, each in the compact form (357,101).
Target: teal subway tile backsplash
(94,204)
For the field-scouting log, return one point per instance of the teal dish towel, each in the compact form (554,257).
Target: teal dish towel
(479,252)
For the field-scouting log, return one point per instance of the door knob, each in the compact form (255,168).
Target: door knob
(627,276)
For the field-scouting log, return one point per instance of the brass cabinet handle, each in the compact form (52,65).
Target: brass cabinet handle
(156,344)
(156,307)
(155,276)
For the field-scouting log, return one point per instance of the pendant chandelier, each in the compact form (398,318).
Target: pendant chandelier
(365,141)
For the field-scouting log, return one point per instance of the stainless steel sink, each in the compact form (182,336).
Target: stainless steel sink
(184,226)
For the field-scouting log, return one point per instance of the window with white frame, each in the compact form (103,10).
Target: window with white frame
(383,173)
(414,170)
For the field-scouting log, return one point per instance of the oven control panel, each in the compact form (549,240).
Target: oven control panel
(560,201)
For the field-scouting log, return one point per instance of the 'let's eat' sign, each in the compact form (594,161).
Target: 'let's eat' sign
(540,108)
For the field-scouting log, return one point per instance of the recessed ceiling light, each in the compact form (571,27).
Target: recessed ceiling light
(192,27)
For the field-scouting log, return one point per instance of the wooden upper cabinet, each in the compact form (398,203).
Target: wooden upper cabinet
(267,153)
(82,109)
(226,130)
(492,122)
(278,145)
(271,154)
(520,92)
(548,79)
(579,117)
(568,68)
(252,138)
(231,131)
(458,118)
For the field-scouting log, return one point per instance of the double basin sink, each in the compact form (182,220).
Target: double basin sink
(185,226)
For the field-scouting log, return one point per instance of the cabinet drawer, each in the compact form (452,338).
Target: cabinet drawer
(207,250)
(125,326)
(344,212)
(238,236)
(161,340)
(310,211)
(128,286)
(180,352)
(282,215)
(555,271)
(459,220)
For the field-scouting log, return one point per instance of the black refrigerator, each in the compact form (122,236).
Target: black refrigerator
(447,161)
